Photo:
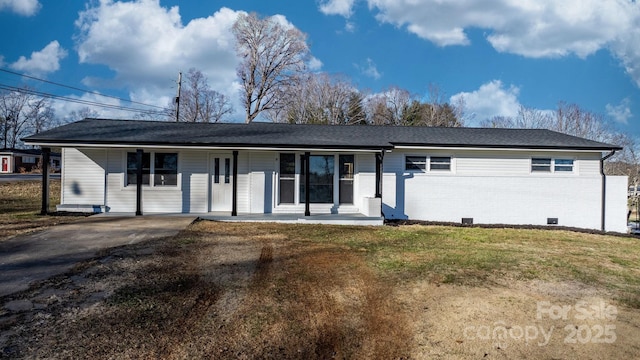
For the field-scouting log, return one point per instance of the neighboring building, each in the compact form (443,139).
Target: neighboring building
(24,160)
(486,176)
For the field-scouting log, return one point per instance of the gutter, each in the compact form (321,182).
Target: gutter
(604,188)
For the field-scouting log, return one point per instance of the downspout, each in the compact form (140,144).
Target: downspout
(604,188)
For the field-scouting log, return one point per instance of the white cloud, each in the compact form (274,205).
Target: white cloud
(314,64)
(21,7)
(369,69)
(146,45)
(532,28)
(337,7)
(620,113)
(350,26)
(491,99)
(42,62)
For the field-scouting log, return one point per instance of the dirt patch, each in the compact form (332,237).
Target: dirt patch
(525,321)
(230,291)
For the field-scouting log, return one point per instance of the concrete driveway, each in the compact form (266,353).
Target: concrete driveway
(39,256)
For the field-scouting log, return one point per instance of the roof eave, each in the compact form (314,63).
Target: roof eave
(507,147)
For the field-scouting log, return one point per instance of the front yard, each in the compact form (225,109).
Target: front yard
(220,290)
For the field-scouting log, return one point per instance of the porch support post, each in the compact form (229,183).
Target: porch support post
(234,179)
(307,172)
(139,182)
(379,172)
(46,157)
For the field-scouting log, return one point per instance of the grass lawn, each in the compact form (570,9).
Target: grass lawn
(233,290)
(20,204)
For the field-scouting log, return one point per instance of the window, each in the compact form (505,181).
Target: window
(227,170)
(287,178)
(551,165)
(440,163)
(331,179)
(158,169)
(165,169)
(216,171)
(415,163)
(132,164)
(346,179)
(565,165)
(321,171)
(541,164)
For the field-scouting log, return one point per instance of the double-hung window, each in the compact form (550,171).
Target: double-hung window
(158,169)
(287,178)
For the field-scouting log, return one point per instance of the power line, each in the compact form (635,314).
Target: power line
(81,101)
(79,89)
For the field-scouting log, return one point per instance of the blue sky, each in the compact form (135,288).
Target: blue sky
(497,54)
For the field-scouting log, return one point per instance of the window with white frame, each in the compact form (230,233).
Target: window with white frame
(440,163)
(551,165)
(327,173)
(158,169)
(563,165)
(415,163)
(541,165)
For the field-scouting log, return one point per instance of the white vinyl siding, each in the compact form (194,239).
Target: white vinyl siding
(244,185)
(195,177)
(263,169)
(121,198)
(83,176)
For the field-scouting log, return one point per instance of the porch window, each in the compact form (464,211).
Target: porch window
(165,169)
(158,169)
(287,178)
(346,179)
(321,174)
(132,164)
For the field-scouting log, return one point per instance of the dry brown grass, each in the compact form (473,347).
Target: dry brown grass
(20,205)
(274,297)
(246,291)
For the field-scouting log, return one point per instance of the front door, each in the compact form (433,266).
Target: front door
(5,164)
(221,182)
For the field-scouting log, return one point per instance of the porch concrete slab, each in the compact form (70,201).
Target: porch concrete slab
(34,257)
(328,219)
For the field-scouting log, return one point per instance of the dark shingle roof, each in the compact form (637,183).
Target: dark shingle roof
(257,135)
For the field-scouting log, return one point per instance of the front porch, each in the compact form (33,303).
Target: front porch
(328,219)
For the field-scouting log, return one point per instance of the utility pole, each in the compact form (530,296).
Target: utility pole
(178,97)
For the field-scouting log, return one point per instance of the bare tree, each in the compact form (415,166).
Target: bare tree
(199,103)
(527,118)
(83,113)
(389,106)
(316,99)
(573,120)
(22,112)
(272,55)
